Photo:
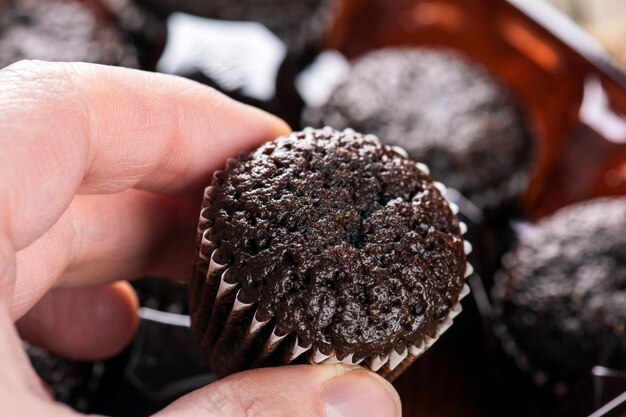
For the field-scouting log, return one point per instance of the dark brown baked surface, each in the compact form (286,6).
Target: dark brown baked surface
(562,296)
(340,240)
(61,30)
(445,110)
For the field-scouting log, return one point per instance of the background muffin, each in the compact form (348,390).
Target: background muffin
(561,298)
(444,110)
(61,30)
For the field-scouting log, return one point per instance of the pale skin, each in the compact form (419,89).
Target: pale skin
(101,173)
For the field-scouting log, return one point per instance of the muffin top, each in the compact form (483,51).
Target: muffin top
(445,110)
(61,30)
(562,296)
(343,241)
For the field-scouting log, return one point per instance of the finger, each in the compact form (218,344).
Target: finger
(69,127)
(106,238)
(292,391)
(83,323)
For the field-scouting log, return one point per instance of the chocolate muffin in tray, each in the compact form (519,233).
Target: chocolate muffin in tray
(322,247)
(560,300)
(445,110)
(61,30)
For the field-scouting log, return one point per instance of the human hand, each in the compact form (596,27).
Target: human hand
(101,172)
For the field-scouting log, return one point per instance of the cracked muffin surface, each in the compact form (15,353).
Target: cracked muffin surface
(339,239)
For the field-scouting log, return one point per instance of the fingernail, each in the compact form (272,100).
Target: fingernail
(360,394)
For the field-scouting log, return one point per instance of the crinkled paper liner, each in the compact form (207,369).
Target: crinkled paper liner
(237,338)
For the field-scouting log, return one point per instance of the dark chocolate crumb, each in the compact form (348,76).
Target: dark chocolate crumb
(343,241)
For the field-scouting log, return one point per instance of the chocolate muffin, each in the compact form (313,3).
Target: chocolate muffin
(560,300)
(61,30)
(325,246)
(445,110)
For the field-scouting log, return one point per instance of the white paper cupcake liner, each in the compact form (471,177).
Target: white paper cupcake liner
(238,339)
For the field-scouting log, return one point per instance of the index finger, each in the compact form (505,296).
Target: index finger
(69,128)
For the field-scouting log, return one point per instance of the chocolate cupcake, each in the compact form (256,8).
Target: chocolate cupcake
(560,300)
(61,30)
(325,246)
(445,110)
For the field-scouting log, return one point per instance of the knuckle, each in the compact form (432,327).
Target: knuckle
(23,65)
(39,79)
(51,87)
(28,70)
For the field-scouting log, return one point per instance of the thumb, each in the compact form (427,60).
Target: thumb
(292,391)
